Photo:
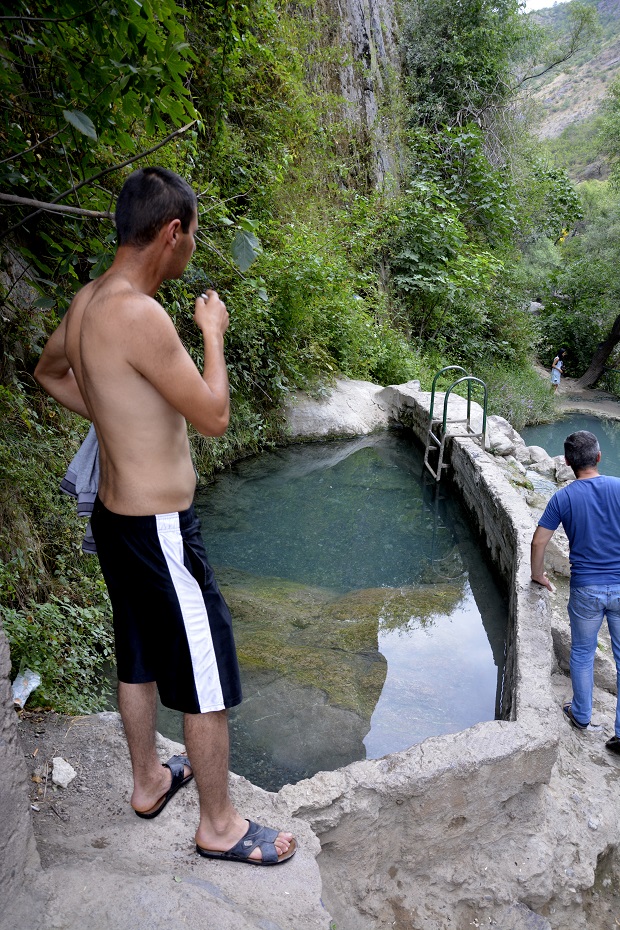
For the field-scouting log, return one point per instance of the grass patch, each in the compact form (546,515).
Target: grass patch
(519,395)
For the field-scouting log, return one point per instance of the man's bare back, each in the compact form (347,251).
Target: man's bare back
(134,379)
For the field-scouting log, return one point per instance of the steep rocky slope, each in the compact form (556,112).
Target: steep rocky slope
(574,92)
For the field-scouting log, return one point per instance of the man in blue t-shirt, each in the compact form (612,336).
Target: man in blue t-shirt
(589,511)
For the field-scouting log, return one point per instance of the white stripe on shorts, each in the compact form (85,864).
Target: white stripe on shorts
(194,612)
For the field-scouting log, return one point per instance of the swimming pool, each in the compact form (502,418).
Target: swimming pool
(365,614)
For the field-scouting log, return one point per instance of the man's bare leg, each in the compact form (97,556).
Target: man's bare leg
(138,708)
(220,827)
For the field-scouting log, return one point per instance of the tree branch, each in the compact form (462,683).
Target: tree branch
(100,174)
(41,19)
(576,43)
(55,207)
(32,147)
(531,77)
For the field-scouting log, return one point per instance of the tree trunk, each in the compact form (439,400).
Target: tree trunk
(597,365)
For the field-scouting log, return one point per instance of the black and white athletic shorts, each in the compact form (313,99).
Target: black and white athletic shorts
(171,624)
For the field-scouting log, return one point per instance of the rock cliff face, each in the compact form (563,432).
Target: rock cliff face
(366,34)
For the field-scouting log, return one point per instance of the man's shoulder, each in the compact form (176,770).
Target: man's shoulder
(115,301)
(591,487)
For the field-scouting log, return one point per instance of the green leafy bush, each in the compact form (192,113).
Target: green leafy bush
(68,645)
(520,395)
(53,602)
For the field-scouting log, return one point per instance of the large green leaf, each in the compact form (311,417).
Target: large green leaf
(245,248)
(81,122)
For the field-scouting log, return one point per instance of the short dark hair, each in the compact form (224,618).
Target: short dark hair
(581,450)
(151,198)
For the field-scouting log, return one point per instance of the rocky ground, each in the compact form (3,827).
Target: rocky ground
(584,795)
(106,869)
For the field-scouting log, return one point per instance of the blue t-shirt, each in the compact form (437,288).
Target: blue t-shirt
(589,511)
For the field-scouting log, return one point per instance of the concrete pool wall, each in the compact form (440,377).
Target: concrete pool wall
(388,825)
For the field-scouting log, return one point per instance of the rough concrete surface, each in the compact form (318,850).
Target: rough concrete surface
(106,869)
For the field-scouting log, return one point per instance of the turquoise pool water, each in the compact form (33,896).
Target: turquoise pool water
(551,437)
(365,614)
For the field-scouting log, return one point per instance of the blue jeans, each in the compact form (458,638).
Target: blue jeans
(587,607)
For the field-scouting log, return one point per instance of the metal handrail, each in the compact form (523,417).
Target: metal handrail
(469,379)
(435,379)
(441,438)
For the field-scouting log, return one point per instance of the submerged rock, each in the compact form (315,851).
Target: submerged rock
(325,640)
(284,627)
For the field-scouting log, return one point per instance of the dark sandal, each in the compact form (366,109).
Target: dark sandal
(177,766)
(256,835)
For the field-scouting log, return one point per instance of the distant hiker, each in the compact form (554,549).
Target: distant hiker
(117,359)
(588,510)
(557,367)
(536,306)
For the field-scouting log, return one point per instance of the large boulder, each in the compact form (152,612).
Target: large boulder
(538,454)
(541,461)
(503,439)
(352,408)
(556,553)
(501,425)
(522,454)
(499,443)
(563,472)
(604,665)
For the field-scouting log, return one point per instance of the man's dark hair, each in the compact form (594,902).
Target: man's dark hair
(151,198)
(581,450)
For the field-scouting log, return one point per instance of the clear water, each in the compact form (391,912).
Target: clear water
(365,614)
(551,437)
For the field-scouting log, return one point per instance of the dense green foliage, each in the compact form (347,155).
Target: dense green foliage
(579,272)
(458,57)
(324,270)
(585,282)
(75,86)
(53,602)
(610,130)
(576,150)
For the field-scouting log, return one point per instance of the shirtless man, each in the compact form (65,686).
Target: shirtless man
(117,360)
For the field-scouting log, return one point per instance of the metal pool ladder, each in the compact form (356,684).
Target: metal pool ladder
(437,437)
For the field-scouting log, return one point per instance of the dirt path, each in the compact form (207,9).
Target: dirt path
(573,399)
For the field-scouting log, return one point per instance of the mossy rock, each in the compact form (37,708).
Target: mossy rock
(325,640)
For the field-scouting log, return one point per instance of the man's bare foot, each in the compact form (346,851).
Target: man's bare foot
(149,800)
(255,844)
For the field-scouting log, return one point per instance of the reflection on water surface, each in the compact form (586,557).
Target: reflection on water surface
(365,615)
